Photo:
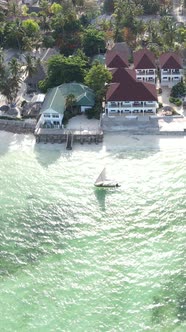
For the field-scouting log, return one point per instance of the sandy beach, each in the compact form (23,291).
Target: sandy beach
(113,141)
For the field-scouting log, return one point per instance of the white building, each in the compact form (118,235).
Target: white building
(127,95)
(54,106)
(145,66)
(171,69)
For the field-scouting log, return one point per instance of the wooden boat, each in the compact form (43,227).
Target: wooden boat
(103,181)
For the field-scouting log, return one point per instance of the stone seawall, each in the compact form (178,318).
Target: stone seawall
(17,127)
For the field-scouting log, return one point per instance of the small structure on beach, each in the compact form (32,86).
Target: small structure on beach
(69,137)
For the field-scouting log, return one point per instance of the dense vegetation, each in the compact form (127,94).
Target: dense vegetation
(79,30)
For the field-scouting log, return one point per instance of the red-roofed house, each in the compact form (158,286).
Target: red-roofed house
(145,66)
(127,95)
(171,68)
(116,59)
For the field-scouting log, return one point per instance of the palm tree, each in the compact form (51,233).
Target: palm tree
(14,77)
(2,62)
(70,102)
(31,65)
(9,87)
(13,8)
(14,33)
(15,69)
(168,27)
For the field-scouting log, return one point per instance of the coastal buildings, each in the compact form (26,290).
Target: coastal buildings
(54,106)
(130,90)
(145,66)
(171,69)
(127,95)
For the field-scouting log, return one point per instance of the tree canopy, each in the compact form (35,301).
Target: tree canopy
(96,79)
(93,41)
(63,69)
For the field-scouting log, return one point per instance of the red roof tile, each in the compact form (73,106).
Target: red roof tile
(116,59)
(144,59)
(127,88)
(117,74)
(170,60)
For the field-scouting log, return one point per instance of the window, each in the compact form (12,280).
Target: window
(55,115)
(46,115)
(164,78)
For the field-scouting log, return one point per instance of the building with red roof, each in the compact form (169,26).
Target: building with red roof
(116,59)
(127,95)
(171,69)
(145,65)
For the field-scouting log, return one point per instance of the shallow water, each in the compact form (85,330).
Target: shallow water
(77,258)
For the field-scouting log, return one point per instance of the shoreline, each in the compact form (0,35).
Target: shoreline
(137,132)
(27,130)
(163,128)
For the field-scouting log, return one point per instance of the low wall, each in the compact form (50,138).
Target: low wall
(16,126)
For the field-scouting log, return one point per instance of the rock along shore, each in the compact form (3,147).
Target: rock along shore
(17,126)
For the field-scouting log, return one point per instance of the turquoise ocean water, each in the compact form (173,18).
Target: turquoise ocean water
(77,258)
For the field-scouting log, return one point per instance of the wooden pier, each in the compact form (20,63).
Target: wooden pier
(69,137)
(69,142)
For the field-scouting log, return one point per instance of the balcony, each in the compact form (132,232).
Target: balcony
(145,72)
(133,105)
(171,72)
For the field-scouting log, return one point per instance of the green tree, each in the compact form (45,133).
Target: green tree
(31,65)
(181,34)
(93,41)
(13,9)
(96,79)
(125,13)
(31,28)
(168,27)
(178,90)
(10,79)
(56,8)
(63,69)
(24,9)
(13,34)
(15,69)
(70,102)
